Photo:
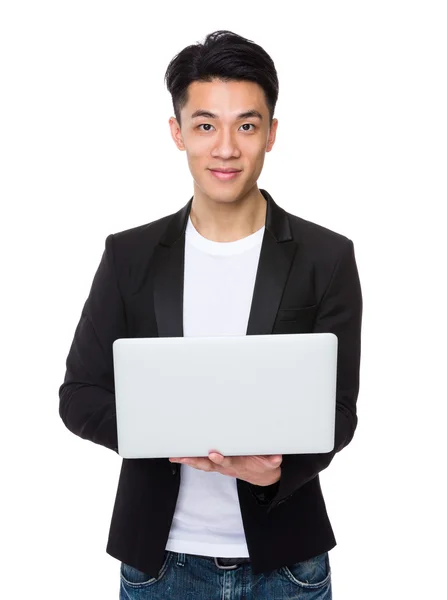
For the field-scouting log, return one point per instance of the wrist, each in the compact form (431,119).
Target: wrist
(273,477)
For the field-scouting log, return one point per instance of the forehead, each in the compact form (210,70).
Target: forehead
(225,96)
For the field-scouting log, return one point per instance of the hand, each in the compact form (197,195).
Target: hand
(258,470)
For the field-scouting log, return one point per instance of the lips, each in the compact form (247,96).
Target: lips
(224,175)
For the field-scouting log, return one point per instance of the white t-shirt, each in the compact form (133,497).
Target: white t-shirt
(219,279)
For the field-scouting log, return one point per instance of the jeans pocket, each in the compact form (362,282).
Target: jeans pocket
(313,573)
(135,578)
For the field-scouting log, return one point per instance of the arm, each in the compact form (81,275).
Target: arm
(87,396)
(339,312)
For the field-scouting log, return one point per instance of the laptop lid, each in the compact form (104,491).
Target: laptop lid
(239,395)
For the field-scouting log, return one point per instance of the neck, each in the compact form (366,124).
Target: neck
(228,221)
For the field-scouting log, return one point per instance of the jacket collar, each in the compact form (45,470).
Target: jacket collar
(276,222)
(277,252)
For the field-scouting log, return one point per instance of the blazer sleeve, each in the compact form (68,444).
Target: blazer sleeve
(339,312)
(87,395)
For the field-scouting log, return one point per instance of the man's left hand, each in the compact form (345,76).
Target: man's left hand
(258,470)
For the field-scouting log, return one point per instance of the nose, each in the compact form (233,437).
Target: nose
(225,145)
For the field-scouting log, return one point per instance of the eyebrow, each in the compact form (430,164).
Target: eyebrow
(209,115)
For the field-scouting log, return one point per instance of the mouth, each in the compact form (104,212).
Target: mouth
(225,175)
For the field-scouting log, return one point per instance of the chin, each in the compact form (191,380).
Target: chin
(224,196)
(219,192)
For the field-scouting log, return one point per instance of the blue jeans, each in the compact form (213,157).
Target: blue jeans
(200,578)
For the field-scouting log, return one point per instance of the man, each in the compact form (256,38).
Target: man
(230,262)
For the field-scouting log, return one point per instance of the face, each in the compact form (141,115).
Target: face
(225,137)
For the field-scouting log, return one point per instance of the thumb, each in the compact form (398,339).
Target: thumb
(275,460)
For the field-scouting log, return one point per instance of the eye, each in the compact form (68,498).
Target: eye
(203,124)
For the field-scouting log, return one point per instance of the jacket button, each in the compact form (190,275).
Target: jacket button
(174,468)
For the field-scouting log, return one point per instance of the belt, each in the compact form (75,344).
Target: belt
(230,563)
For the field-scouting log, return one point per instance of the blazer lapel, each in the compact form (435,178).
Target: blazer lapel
(277,252)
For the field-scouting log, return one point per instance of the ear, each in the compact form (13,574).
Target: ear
(176,133)
(272,135)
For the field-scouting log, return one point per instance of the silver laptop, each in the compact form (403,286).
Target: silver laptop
(239,395)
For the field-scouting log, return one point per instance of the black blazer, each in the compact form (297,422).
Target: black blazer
(307,281)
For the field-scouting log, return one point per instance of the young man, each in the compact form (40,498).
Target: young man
(230,262)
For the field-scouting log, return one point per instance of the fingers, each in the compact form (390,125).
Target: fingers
(223,461)
(230,464)
(275,460)
(202,463)
(269,460)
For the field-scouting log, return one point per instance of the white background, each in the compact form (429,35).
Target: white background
(361,149)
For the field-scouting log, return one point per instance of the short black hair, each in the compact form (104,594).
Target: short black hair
(226,56)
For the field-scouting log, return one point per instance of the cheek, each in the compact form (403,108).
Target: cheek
(199,146)
(259,160)
(198,158)
(195,159)
(254,155)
